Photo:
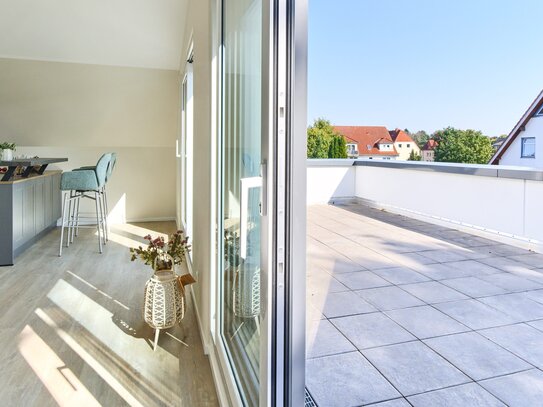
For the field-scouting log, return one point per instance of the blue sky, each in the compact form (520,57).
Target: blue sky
(425,64)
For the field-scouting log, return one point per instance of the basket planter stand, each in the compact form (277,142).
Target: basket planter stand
(164,301)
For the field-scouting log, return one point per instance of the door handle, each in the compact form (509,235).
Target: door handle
(177,153)
(246,185)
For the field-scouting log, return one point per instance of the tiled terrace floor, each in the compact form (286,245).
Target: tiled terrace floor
(402,312)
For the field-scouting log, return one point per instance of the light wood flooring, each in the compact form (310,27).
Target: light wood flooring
(72,331)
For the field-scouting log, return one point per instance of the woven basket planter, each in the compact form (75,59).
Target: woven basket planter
(246,291)
(164,300)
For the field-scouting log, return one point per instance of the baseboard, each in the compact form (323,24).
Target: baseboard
(498,236)
(152,219)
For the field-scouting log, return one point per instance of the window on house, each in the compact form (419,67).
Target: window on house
(400,145)
(408,145)
(528,147)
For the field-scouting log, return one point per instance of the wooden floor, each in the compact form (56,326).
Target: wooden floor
(72,331)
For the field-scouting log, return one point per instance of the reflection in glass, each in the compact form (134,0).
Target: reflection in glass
(240,191)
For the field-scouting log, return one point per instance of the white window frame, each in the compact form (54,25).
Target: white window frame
(523,141)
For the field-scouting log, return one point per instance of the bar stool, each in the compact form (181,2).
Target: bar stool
(83,183)
(103,191)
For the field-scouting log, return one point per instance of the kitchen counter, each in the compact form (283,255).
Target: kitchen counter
(29,164)
(29,208)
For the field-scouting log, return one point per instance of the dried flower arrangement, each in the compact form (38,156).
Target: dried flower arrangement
(176,247)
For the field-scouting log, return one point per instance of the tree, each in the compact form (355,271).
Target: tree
(462,146)
(413,156)
(324,142)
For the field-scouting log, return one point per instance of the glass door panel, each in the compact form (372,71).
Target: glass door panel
(240,193)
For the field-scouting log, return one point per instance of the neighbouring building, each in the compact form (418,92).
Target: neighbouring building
(428,151)
(404,144)
(371,142)
(524,145)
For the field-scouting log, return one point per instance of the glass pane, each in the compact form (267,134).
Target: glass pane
(240,192)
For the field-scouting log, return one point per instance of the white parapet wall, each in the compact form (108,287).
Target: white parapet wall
(499,201)
(330,180)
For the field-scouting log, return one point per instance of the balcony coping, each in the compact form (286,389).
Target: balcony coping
(482,170)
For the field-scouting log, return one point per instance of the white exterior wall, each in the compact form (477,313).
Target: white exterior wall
(325,182)
(502,208)
(512,156)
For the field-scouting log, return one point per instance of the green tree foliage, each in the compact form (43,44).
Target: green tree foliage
(324,142)
(462,146)
(413,156)
(420,137)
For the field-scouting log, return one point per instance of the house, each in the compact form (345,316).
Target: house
(427,152)
(524,145)
(404,144)
(371,142)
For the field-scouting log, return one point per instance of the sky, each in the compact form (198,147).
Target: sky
(425,64)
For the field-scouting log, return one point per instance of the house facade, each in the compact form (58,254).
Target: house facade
(524,145)
(404,144)
(427,152)
(370,142)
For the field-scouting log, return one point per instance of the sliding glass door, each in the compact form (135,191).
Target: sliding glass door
(241,193)
(260,221)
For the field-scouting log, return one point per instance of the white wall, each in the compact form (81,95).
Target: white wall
(326,182)
(512,156)
(78,111)
(506,208)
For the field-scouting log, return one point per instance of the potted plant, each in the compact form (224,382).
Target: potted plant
(164,301)
(7,151)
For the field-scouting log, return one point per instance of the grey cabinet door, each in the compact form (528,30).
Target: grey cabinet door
(39,205)
(29,229)
(18,235)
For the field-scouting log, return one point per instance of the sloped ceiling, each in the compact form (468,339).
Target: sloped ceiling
(135,33)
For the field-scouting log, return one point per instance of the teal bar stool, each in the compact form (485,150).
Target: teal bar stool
(103,191)
(84,183)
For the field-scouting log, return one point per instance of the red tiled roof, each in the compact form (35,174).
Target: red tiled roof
(366,136)
(430,145)
(400,136)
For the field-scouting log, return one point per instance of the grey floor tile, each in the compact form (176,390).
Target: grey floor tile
(443,255)
(426,322)
(400,275)
(477,356)
(503,263)
(517,305)
(324,283)
(473,287)
(474,267)
(389,298)
(475,314)
(393,403)
(324,339)
(522,340)
(344,303)
(361,280)
(412,259)
(346,380)
(370,330)
(536,295)
(532,259)
(511,283)
(441,271)
(433,292)
(465,395)
(524,389)
(537,324)
(414,368)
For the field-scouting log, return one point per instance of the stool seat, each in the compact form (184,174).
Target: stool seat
(81,180)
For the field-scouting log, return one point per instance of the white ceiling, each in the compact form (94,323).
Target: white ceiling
(136,33)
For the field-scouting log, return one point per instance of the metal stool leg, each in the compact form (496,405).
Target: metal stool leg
(106,214)
(98,220)
(77,217)
(69,219)
(64,207)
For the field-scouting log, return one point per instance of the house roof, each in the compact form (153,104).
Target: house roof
(430,145)
(368,139)
(400,136)
(536,105)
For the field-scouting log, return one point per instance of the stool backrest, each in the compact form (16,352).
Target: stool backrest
(101,169)
(111,166)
